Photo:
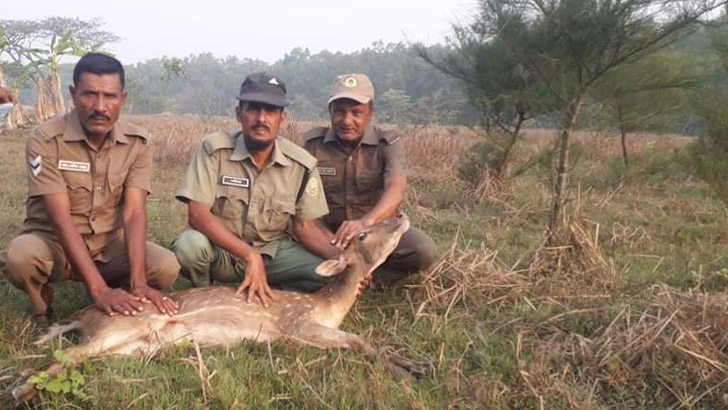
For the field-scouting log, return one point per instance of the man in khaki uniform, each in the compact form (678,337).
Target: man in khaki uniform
(88,177)
(243,188)
(363,172)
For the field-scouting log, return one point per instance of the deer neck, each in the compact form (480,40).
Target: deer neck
(339,295)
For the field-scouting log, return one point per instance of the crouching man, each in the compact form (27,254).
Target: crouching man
(242,189)
(88,176)
(363,173)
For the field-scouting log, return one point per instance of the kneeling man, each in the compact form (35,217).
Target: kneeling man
(363,173)
(88,176)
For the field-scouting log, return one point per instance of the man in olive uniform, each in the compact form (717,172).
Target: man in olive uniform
(88,176)
(363,173)
(242,189)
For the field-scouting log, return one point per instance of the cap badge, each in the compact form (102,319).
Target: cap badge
(350,82)
(273,81)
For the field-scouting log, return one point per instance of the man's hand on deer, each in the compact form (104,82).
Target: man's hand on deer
(346,232)
(163,303)
(255,280)
(113,301)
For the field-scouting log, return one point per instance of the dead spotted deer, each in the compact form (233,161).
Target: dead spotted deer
(216,316)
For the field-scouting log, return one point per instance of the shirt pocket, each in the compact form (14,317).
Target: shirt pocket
(116,188)
(79,187)
(276,214)
(231,205)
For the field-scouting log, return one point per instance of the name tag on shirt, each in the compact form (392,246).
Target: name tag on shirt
(66,165)
(235,181)
(326,171)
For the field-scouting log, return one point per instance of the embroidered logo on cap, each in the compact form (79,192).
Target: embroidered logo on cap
(235,181)
(350,82)
(273,81)
(66,165)
(326,171)
(35,165)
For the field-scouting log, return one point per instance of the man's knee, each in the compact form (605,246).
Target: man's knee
(191,247)
(424,253)
(27,258)
(162,267)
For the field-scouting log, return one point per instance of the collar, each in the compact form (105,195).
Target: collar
(74,130)
(370,137)
(241,152)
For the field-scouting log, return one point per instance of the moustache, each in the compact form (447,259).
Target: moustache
(97,116)
(260,126)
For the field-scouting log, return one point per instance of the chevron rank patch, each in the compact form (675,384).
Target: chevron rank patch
(36,164)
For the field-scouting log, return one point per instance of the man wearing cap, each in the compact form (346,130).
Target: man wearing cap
(242,189)
(363,173)
(88,176)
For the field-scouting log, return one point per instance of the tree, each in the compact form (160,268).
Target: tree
(571,45)
(41,45)
(502,88)
(642,95)
(396,103)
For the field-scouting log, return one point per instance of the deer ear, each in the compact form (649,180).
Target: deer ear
(331,267)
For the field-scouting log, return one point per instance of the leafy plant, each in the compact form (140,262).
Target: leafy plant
(67,381)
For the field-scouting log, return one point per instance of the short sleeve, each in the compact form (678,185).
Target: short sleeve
(140,173)
(312,204)
(200,179)
(395,159)
(41,160)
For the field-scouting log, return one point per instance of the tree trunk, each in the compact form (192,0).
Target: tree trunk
(515,134)
(16,118)
(2,77)
(562,167)
(54,87)
(41,101)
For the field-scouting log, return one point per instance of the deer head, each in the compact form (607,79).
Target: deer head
(369,248)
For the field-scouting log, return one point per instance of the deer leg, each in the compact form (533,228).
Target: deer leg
(325,337)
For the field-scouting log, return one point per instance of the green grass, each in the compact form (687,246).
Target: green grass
(492,348)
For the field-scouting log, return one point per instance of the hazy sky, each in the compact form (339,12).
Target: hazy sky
(254,29)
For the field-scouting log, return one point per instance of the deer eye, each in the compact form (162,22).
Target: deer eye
(361,236)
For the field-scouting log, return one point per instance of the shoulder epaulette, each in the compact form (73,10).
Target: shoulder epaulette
(219,140)
(390,137)
(51,128)
(130,129)
(297,153)
(316,132)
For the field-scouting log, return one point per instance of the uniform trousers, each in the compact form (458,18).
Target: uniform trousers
(204,262)
(32,260)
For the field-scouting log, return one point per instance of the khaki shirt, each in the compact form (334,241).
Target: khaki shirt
(60,159)
(354,179)
(255,205)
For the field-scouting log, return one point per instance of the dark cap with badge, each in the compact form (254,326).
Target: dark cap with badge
(264,88)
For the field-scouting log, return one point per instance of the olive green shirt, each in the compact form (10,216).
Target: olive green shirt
(255,205)
(60,159)
(354,179)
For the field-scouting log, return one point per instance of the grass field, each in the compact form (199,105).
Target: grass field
(629,313)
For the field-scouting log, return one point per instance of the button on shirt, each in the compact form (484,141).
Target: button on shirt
(354,179)
(61,160)
(256,205)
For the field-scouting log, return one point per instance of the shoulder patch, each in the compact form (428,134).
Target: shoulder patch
(219,140)
(316,132)
(134,130)
(51,128)
(296,153)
